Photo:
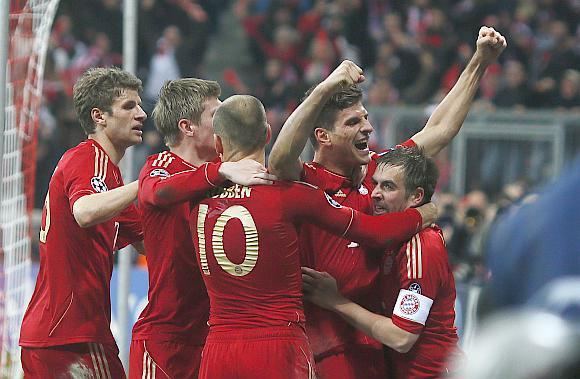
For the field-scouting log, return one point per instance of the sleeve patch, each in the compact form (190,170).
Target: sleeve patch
(159,172)
(98,184)
(331,201)
(412,306)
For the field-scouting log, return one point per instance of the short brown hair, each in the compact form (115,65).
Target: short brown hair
(181,99)
(418,169)
(344,98)
(99,88)
(241,120)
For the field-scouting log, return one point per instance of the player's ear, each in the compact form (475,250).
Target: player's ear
(268,133)
(417,197)
(322,136)
(98,117)
(219,147)
(187,127)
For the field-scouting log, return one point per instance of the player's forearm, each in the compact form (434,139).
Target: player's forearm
(385,231)
(94,209)
(180,187)
(449,115)
(376,326)
(284,160)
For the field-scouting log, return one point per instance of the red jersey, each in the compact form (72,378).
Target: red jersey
(355,270)
(419,296)
(247,248)
(178,306)
(71,301)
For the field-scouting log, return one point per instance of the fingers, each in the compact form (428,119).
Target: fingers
(311,272)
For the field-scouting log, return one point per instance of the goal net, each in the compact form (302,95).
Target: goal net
(30,22)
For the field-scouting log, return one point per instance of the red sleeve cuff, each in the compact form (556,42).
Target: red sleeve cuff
(212,173)
(407,325)
(416,217)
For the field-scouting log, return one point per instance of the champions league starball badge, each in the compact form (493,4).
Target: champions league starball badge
(159,172)
(98,184)
(415,287)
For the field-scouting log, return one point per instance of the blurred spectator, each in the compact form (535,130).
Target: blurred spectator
(513,93)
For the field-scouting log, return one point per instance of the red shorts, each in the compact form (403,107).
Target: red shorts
(269,352)
(163,359)
(79,360)
(356,362)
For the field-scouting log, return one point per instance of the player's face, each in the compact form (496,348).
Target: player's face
(350,136)
(389,194)
(205,131)
(125,121)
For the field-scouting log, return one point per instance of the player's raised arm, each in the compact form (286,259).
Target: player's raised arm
(450,114)
(284,160)
(320,288)
(93,209)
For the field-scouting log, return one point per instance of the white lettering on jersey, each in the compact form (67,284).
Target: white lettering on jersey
(412,306)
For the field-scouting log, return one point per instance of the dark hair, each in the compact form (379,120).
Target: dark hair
(419,170)
(344,98)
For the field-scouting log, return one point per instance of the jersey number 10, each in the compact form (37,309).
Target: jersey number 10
(251,233)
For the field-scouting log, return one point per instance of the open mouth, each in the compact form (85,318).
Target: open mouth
(362,145)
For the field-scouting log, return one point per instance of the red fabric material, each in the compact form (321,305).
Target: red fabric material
(164,360)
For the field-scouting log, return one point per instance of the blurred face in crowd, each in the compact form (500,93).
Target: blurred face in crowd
(390,194)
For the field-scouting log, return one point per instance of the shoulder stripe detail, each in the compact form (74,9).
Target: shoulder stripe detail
(163,159)
(414,258)
(101,163)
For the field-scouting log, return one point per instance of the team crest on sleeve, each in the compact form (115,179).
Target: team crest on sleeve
(98,184)
(415,287)
(159,172)
(409,304)
(332,202)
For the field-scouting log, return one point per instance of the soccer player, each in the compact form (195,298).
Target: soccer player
(88,214)
(417,283)
(169,335)
(247,248)
(335,118)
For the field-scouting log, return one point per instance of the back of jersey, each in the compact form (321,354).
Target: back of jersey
(247,250)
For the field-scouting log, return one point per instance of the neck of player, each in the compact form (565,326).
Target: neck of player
(196,155)
(234,156)
(332,164)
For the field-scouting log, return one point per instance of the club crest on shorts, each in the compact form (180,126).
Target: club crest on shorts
(98,184)
(332,202)
(415,287)
(409,304)
(159,172)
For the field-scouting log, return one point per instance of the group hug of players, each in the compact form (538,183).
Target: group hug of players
(233,248)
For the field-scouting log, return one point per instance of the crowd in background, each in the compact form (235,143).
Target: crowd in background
(412,53)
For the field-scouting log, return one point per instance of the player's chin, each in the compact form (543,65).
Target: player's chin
(135,139)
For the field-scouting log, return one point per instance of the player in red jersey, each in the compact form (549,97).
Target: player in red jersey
(417,282)
(336,120)
(247,247)
(88,214)
(169,335)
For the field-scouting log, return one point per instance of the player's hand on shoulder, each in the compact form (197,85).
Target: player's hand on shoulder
(246,172)
(429,213)
(346,74)
(490,44)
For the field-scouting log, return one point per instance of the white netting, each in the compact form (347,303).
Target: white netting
(30,24)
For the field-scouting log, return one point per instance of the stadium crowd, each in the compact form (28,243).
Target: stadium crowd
(412,53)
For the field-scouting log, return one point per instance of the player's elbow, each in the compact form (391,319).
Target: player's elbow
(404,343)
(84,218)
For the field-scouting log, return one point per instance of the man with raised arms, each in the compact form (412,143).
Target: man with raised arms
(336,121)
